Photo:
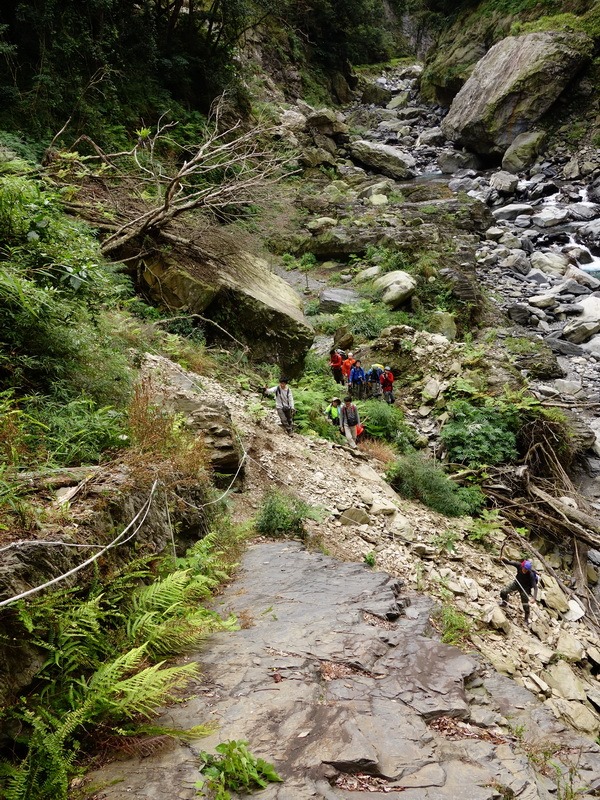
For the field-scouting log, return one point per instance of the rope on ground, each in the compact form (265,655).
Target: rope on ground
(116,542)
(47,543)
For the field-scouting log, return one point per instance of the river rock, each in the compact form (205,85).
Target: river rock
(374,94)
(510,88)
(383,158)
(451,161)
(550,216)
(522,151)
(585,326)
(397,287)
(503,182)
(432,136)
(550,263)
(512,211)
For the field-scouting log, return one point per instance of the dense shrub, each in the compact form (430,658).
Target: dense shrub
(481,434)
(416,478)
(384,421)
(282,514)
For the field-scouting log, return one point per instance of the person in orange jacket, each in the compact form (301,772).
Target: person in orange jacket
(347,367)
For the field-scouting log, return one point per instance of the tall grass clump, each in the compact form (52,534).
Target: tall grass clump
(283,514)
(416,478)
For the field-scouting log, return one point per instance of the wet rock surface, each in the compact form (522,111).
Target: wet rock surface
(337,680)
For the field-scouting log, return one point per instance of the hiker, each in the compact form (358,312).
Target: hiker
(332,412)
(335,362)
(525,583)
(349,420)
(357,381)
(284,403)
(387,385)
(373,383)
(347,365)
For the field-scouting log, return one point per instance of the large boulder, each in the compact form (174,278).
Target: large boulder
(397,287)
(238,292)
(383,158)
(512,86)
(331,300)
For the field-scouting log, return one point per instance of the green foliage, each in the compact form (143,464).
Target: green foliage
(446,540)
(235,769)
(416,478)
(478,435)
(103,660)
(282,514)
(370,559)
(484,526)
(384,421)
(456,627)
(366,319)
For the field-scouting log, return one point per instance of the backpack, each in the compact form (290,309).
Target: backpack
(279,393)
(351,415)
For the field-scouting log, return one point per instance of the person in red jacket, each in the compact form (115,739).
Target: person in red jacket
(386,380)
(335,362)
(347,367)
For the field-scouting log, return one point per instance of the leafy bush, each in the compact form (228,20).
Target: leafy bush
(366,319)
(416,478)
(282,514)
(481,434)
(385,421)
(235,768)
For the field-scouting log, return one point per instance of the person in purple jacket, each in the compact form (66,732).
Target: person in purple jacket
(525,583)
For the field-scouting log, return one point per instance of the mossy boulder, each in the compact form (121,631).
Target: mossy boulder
(512,86)
(236,290)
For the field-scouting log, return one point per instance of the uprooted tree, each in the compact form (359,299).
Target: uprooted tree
(228,171)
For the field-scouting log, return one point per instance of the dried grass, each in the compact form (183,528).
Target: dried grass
(380,451)
(157,435)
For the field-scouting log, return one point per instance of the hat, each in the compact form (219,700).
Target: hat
(527,565)
(387,369)
(336,400)
(350,354)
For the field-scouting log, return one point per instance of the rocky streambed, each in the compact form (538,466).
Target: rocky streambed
(336,680)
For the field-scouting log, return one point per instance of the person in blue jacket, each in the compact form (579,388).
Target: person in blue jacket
(357,381)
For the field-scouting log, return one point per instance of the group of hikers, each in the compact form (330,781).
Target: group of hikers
(377,381)
(346,416)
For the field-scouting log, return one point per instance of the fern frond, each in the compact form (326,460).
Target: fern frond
(144,692)
(102,682)
(162,594)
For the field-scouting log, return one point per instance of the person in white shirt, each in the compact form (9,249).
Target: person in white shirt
(284,403)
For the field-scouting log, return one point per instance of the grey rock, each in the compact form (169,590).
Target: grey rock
(517,80)
(522,151)
(331,300)
(383,158)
